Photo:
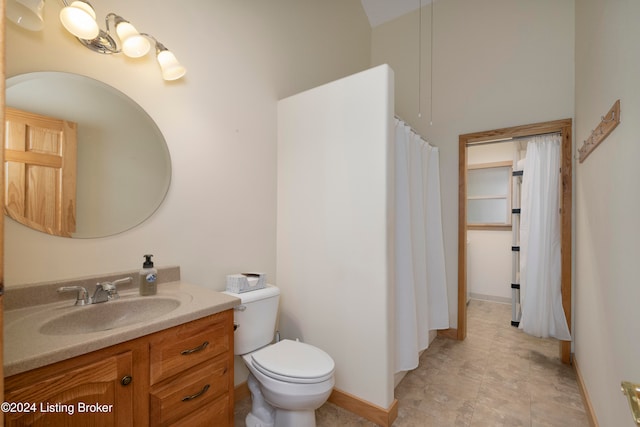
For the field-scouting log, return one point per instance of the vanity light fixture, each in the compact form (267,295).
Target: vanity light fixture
(79,18)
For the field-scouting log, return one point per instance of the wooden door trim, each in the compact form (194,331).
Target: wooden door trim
(2,105)
(564,127)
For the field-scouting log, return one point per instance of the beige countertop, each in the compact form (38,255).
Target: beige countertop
(26,346)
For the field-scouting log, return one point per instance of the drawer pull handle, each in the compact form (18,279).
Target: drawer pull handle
(195,350)
(126,380)
(198,394)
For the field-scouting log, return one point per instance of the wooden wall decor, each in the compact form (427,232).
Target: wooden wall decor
(607,124)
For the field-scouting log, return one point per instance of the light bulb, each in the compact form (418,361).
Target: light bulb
(171,68)
(79,19)
(134,45)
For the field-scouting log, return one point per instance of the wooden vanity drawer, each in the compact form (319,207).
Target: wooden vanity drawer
(215,414)
(188,345)
(189,391)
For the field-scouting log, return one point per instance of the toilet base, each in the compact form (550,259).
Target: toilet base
(286,418)
(262,414)
(253,421)
(283,419)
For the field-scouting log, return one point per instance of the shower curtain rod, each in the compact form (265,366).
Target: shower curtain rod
(412,129)
(516,138)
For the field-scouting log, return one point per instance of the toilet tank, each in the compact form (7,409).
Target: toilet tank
(256,318)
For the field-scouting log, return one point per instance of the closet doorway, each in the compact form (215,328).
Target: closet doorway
(563,127)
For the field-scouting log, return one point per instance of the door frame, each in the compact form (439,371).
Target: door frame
(2,105)
(564,127)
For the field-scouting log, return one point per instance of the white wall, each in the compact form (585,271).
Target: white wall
(489,153)
(496,63)
(219,122)
(489,264)
(334,238)
(607,347)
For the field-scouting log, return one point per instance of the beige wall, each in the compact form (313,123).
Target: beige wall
(219,122)
(607,344)
(496,63)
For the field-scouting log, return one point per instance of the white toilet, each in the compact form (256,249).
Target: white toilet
(288,380)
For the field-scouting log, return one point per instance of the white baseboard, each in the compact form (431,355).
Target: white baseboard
(492,298)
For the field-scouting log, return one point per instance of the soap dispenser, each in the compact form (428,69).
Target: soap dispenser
(148,277)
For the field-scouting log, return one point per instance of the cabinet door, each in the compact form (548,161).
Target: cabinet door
(91,395)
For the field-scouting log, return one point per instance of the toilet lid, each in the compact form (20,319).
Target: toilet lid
(294,361)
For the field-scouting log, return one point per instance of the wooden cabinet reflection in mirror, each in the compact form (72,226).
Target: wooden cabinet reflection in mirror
(40,171)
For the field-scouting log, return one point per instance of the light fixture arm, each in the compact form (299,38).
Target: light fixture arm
(116,20)
(159,46)
(104,43)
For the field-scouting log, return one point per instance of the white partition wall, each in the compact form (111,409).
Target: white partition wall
(333,231)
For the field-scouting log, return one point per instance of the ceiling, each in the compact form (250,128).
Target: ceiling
(381,11)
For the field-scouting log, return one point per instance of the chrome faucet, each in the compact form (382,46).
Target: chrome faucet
(105,291)
(82,298)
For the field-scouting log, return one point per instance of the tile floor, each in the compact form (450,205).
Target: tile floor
(498,376)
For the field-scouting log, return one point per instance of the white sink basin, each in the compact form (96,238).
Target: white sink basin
(109,315)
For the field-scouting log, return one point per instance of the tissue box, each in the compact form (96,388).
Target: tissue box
(245,282)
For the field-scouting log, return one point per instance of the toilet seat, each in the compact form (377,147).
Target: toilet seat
(294,362)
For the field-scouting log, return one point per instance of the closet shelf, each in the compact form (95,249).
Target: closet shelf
(489,197)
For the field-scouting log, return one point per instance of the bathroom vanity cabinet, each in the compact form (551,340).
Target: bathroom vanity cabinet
(179,376)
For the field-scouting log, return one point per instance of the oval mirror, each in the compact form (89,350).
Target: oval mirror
(123,168)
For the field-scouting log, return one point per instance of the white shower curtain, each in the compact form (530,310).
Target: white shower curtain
(420,288)
(540,268)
